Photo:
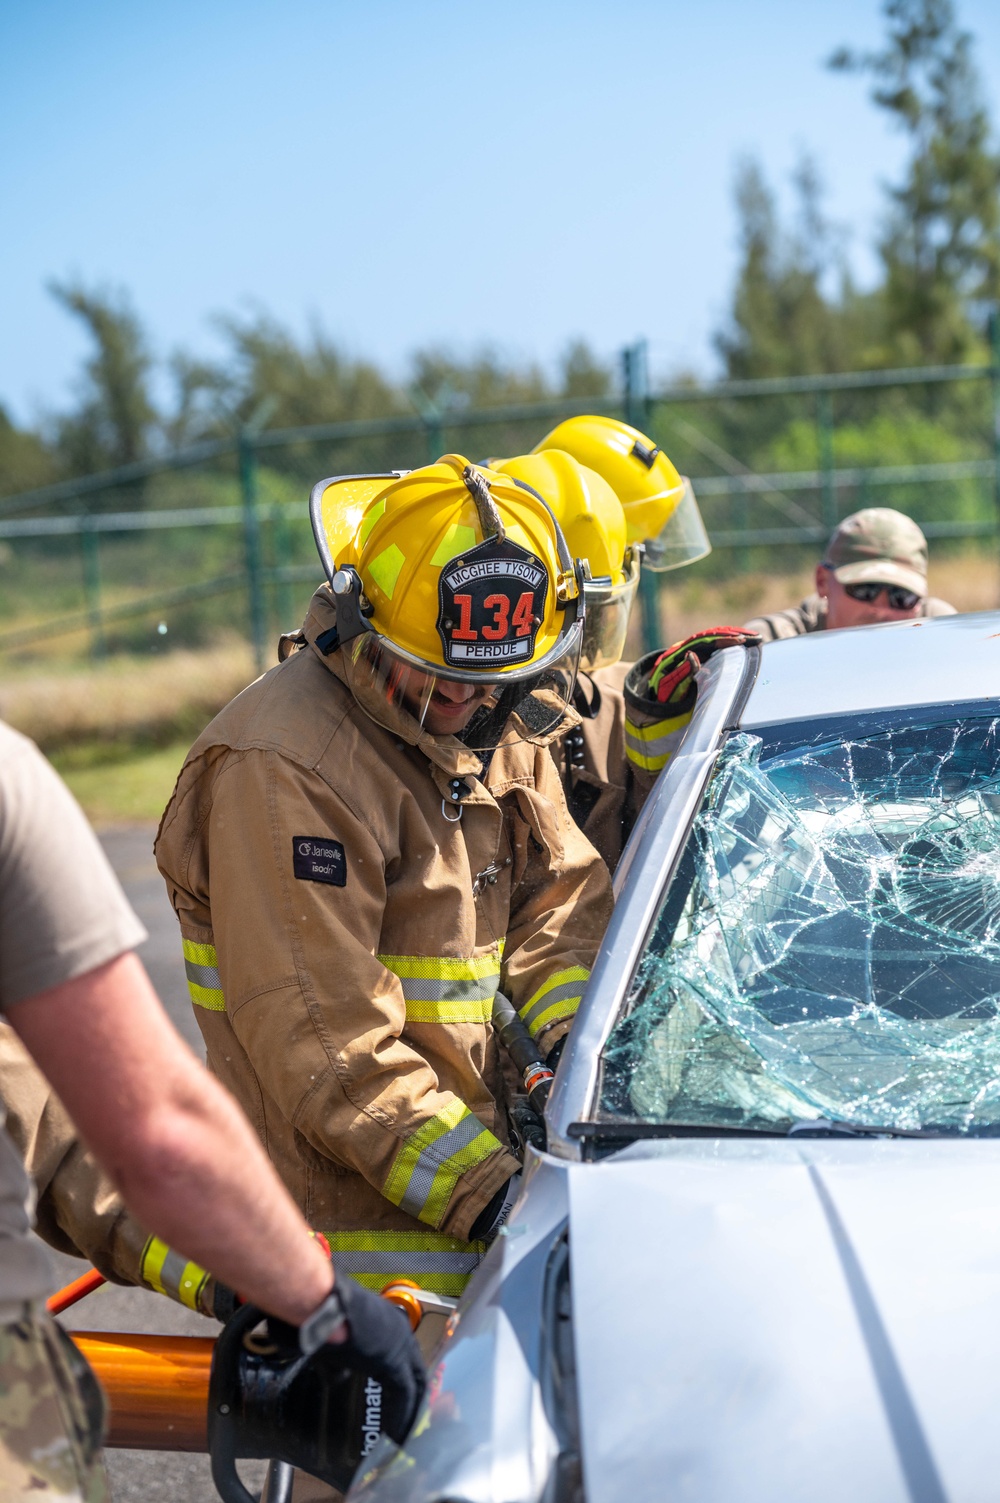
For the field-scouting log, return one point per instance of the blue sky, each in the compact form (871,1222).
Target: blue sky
(414,173)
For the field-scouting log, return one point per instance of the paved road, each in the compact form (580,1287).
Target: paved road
(146,1476)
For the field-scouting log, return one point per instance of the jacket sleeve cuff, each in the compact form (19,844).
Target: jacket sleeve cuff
(469,1200)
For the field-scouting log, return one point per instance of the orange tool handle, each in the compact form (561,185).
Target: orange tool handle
(70,1293)
(156,1387)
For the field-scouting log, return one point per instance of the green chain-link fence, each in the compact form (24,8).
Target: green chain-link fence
(180,548)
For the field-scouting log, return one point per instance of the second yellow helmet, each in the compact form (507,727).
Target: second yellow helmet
(660,507)
(593,521)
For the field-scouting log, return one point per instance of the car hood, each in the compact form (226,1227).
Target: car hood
(807,1319)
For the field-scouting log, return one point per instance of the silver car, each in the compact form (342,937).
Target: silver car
(760,1259)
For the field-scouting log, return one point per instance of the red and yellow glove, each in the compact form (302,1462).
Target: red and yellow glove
(660,693)
(676,668)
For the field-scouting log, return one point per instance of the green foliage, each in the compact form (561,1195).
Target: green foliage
(890,441)
(795,309)
(941,243)
(25,461)
(311,382)
(784,321)
(115,419)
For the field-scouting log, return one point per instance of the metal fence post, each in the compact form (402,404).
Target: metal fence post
(636,384)
(824,427)
(995,387)
(281,536)
(433,434)
(90,550)
(251,538)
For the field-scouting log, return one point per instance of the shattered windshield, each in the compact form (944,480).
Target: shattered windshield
(829,946)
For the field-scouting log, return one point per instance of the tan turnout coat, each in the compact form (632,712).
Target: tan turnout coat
(77,1209)
(605,773)
(345,934)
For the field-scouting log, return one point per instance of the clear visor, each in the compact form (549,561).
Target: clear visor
(683,538)
(482,715)
(606,624)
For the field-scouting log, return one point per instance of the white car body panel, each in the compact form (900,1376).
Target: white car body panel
(724,1353)
(920,662)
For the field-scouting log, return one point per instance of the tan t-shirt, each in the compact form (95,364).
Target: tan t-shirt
(62,914)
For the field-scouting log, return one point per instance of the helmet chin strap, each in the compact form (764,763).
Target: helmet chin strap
(486,725)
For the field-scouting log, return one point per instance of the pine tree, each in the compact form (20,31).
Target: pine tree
(115,420)
(941,242)
(794,308)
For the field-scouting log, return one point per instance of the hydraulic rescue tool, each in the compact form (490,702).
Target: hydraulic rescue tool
(527,1117)
(250,1393)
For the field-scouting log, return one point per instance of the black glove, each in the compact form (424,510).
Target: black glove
(380,1344)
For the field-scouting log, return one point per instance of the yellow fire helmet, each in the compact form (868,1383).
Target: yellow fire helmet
(660,506)
(458,600)
(593,521)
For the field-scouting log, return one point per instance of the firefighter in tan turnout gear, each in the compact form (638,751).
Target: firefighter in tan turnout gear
(628,506)
(371,840)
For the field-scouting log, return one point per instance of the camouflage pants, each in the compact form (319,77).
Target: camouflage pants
(51,1416)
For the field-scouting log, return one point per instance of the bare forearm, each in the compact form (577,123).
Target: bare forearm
(184,1157)
(200,1180)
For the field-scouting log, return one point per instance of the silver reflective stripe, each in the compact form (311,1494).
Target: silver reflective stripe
(407,1262)
(566,989)
(433,1158)
(203,975)
(172,1273)
(427,990)
(655,747)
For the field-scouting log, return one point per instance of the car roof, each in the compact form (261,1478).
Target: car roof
(919,662)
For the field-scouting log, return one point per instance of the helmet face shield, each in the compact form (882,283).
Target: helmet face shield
(608,609)
(483,712)
(683,539)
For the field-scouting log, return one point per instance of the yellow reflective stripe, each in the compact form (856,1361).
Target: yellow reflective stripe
(443,989)
(385,568)
(431,1162)
(199,954)
(457,539)
(209,998)
(371,516)
(434,1261)
(169,1273)
(201,966)
(442,967)
(450,1010)
(557,998)
(650,747)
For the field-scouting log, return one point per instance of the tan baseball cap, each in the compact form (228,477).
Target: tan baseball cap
(880,546)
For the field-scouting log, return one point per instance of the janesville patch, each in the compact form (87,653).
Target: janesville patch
(492,601)
(315,858)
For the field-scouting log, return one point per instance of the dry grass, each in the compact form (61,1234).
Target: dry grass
(126,703)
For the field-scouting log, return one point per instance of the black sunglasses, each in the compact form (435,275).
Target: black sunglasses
(899,599)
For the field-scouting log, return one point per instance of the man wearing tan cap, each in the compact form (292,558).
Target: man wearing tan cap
(874,569)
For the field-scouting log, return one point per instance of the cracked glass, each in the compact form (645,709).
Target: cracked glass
(829,946)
